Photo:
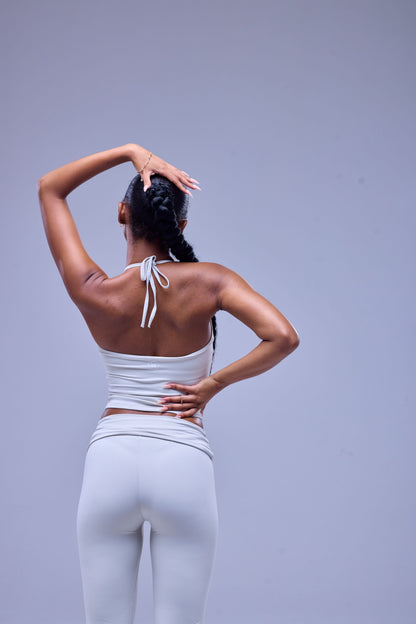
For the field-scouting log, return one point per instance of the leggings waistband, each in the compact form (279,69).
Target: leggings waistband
(154,426)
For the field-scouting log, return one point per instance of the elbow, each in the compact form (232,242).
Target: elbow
(294,341)
(44,184)
(291,339)
(41,185)
(285,342)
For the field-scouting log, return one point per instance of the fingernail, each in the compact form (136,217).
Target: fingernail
(196,181)
(189,193)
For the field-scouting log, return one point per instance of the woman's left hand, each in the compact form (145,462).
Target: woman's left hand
(140,159)
(191,398)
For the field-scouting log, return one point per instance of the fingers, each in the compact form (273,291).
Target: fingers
(181,399)
(181,183)
(188,181)
(178,403)
(191,411)
(183,180)
(184,411)
(146,179)
(188,413)
(184,403)
(179,387)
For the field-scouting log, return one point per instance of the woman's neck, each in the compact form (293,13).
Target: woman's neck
(139,249)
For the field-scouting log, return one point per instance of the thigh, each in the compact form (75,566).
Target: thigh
(109,531)
(184,526)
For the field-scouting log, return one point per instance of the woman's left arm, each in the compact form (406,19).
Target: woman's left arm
(73,262)
(77,269)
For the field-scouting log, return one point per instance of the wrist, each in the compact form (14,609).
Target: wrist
(217,383)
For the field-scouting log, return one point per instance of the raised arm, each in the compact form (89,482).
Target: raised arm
(278,339)
(77,269)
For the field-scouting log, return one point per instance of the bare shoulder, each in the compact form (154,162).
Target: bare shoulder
(225,284)
(223,276)
(215,276)
(217,272)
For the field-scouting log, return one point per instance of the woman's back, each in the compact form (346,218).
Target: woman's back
(181,325)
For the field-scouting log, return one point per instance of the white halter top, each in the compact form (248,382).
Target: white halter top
(137,381)
(149,271)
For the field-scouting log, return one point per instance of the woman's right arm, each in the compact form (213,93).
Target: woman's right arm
(278,339)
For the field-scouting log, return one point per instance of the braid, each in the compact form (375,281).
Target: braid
(165,225)
(155,216)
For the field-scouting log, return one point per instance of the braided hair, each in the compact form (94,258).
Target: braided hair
(155,215)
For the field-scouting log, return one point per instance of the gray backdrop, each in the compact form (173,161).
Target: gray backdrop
(298,119)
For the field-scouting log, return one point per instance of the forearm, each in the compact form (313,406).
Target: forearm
(263,357)
(65,179)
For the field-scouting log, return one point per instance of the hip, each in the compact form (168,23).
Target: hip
(152,425)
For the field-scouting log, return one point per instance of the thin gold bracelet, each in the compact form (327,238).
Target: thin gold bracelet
(147,162)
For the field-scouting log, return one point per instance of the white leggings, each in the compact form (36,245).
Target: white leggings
(129,479)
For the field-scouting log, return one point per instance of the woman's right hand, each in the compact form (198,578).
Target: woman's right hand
(140,156)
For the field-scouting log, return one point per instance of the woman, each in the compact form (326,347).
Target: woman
(149,457)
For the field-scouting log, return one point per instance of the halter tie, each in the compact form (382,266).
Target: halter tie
(148,271)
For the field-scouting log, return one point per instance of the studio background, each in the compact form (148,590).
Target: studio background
(298,120)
